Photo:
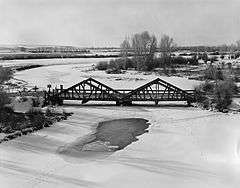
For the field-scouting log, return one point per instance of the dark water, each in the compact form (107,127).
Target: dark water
(108,137)
(121,132)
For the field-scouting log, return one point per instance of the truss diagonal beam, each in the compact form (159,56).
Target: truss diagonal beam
(91,89)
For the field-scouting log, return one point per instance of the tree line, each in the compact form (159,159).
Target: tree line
(143,46)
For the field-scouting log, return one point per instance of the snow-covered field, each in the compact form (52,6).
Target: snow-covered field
(54,61)
(185,147)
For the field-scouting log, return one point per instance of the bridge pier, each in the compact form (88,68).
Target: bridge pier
(118,103)
(60,102)
(156,103)
(84,101)
(123,103)
(57,101)
(127,103)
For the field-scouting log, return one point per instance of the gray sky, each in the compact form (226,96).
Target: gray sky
(107,22)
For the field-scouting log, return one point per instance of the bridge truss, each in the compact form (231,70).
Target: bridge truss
(91,89)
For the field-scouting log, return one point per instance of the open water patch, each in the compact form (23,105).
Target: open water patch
(109,136)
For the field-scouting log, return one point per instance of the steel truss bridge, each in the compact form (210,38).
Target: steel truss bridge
(93,90)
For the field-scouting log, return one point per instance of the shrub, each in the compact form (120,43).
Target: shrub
(36,118)
(116,64)
(173,70)
(193,60)
(179,61)
(223,94)
(4,99)
(49,112)
(130,63)
(202,90)
(205,57)
(10,120)
(218,94)
(213,73)
(237,55)
(103,65)
(159,63)
(213,59)
(113,71)
(36,102)
(5,74)
(183,61)
(207,87)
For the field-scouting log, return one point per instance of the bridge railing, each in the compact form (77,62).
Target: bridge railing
(122,91)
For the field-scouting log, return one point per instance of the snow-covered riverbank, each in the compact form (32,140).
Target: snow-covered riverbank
(185,147)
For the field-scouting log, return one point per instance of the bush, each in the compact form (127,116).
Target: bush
(173,70)
(218,94)
(4,99)
(184,61)
(213,59)
(202,90)
(193,60)
(223,93)
(5,74)
(159,63)
(36,101)
(179,61)
(204,57)
(114,71)
(237,55)
(213,73)
(49,112)
(103,65)
(130,63)
(117,64)
(36,118)
(10,120)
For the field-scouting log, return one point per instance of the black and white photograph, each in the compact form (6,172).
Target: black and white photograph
(119,93)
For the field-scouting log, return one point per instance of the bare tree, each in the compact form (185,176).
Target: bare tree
(144,47)
(238,45)
(152,46)
(125,48)
(205,57)
(166,44)
(125,51)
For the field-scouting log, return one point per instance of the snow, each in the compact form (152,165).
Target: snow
(185,147)
(71,74)
(54,61)
(192,148)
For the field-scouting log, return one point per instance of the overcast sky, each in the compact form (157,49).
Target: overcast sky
(107,22)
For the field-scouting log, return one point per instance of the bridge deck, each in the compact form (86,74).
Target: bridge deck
(100,96)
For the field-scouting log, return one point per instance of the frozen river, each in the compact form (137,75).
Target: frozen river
(185,146)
